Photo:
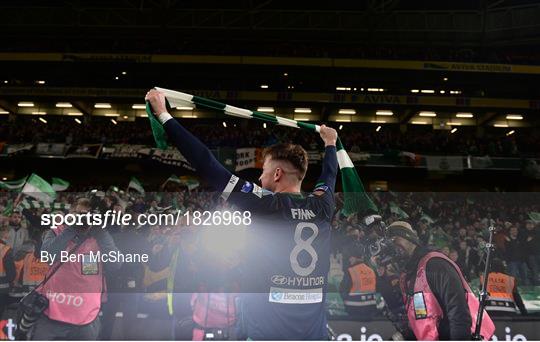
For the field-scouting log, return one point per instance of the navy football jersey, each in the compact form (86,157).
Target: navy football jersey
(286,261)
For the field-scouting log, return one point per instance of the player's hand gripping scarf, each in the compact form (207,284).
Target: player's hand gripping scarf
(356,199)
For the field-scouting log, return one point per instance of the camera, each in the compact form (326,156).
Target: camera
(373,225)
(30,309)
(384,250)
(97,201)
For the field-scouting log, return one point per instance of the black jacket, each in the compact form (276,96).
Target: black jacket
(9,266)
(445,282)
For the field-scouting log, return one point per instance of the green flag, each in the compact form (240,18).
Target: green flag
(13,185)
(394,209)
(136,185)
(8,209)
(189,182)
(36,187)
(427,218)
(535,216)
(59,184)
(173,179)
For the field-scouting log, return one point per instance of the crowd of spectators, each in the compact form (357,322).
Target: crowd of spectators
(356,137)
(456,223)
(499,55)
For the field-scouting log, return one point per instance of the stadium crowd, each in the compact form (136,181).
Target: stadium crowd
(498,55)
(357,137)
(455,223)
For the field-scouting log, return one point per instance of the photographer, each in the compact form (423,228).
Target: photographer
(7,273)
(439,303)
(74,289)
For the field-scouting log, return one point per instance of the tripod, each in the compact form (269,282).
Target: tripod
(483,295)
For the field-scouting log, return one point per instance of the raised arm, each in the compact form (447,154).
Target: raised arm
(196,153)
(330,164)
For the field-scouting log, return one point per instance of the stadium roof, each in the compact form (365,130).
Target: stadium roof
(331,28)
(363,56)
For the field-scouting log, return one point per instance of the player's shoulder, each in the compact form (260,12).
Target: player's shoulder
(322,193)
(247,187)
(249,195)
(320,202)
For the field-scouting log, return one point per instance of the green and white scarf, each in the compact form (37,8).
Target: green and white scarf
(355,196)
(30,204)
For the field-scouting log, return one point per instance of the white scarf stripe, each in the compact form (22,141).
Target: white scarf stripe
(239,112)
(176,98)
(286,122)
(344,160)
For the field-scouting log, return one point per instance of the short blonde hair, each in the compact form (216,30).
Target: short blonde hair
(292,153)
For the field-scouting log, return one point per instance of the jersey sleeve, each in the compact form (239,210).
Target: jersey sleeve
(323,201)
(248,195)
(327,179)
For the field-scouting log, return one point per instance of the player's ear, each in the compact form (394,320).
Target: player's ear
(278,173)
